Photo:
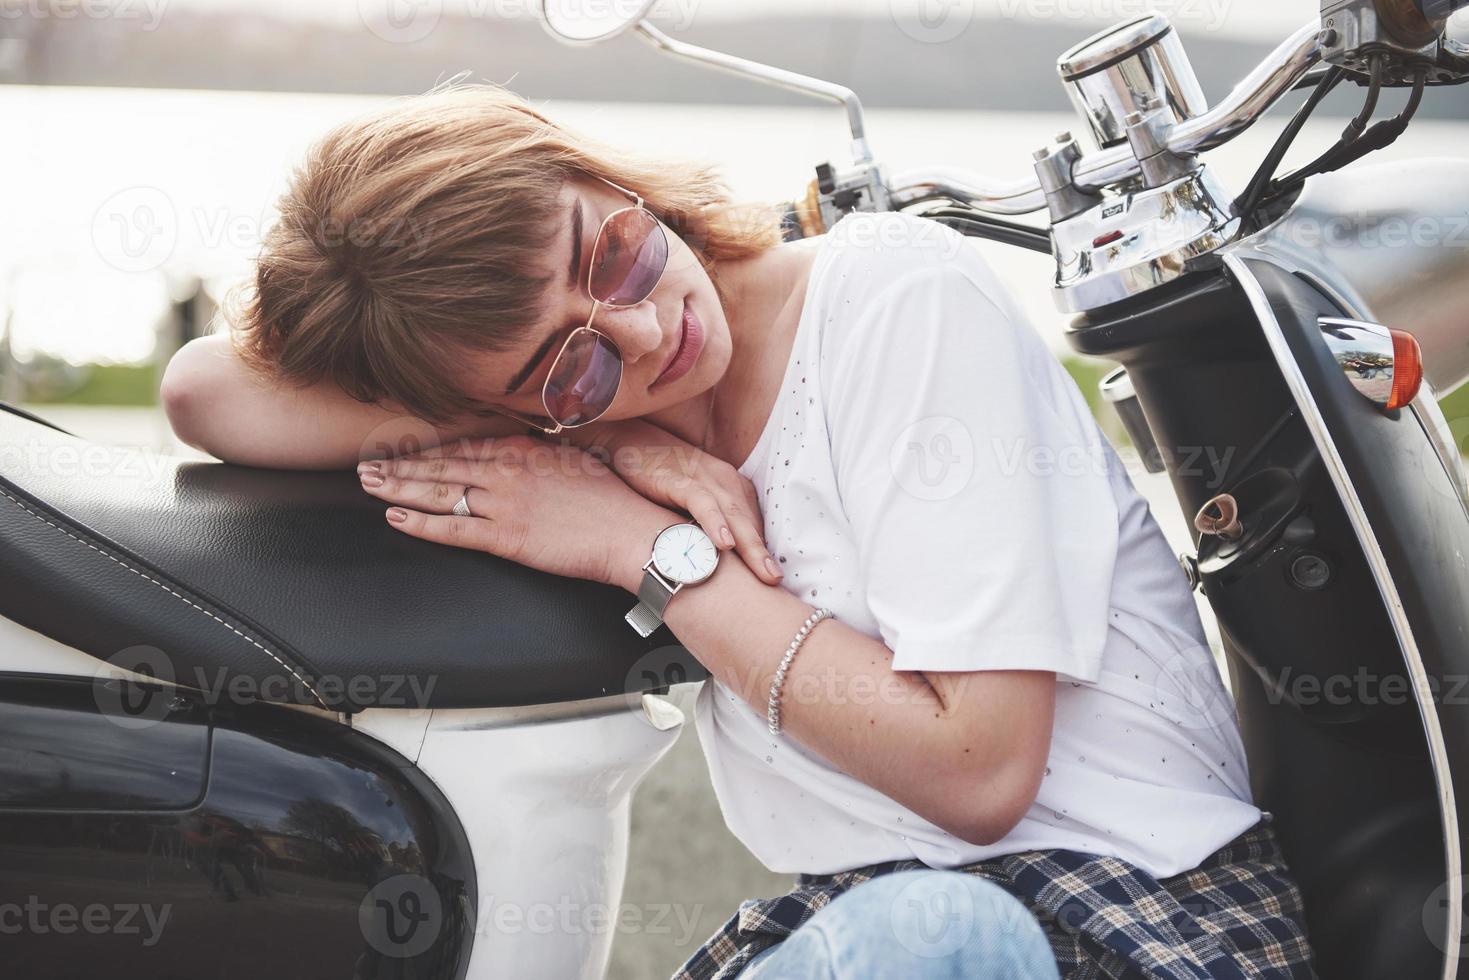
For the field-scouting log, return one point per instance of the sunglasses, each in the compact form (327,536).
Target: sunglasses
(628,260)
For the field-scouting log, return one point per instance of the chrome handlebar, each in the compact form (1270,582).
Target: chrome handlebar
(1245,103)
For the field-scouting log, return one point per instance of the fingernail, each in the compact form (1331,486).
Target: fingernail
(371,478)
(370,466)
(397,515)
(726,537)
(772,567)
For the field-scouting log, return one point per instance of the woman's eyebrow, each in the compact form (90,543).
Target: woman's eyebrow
(525,372)
(573,273)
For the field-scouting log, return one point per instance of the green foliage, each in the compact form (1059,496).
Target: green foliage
(106,384)
(1087,372)
(1456,412)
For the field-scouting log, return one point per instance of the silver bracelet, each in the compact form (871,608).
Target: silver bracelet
(772,713)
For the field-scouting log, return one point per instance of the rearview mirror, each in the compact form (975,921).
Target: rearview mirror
(585,21)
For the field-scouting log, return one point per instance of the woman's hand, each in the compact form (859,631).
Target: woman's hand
(551,507)
(669,471)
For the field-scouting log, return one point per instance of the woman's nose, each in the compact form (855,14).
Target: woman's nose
(634,329)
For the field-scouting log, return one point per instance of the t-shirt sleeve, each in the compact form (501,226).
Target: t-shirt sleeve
(978,492)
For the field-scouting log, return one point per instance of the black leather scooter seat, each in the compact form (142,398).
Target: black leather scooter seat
(289,586)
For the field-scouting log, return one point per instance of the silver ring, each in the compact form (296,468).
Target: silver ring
(461,508)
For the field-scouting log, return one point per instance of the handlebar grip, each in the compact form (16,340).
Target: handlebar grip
(790,222)
(1416,22)
(801,218)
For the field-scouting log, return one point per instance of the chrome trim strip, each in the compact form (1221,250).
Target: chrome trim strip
(1412,658)
(519,716)
(1429,415)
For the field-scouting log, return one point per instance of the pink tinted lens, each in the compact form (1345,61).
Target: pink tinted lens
(628,258)
(584,379)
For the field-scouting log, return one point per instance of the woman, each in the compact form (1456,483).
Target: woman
(964,692)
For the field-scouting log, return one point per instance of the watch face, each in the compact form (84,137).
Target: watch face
(684,553)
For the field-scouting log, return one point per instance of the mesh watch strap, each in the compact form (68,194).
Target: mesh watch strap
(653,596)
(643,619)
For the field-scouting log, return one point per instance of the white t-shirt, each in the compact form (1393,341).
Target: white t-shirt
(932,474)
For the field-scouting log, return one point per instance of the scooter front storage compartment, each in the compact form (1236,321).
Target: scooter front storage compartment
(146,834)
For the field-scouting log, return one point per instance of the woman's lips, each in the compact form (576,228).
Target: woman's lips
(690,345)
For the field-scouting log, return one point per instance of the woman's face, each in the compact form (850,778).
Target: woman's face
(675,344)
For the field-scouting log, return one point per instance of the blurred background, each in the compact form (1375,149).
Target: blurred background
(148,140)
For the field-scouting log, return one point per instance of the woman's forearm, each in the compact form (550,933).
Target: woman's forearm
(965,750)
(962,750)
(215,404)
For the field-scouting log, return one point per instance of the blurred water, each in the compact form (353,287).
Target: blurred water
(113,192)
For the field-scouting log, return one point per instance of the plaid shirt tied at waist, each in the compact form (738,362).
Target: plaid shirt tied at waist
(1237,915)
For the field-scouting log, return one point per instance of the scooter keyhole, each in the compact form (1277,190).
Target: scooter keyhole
(1220,517)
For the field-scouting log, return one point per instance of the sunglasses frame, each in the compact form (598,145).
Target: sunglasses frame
(557,426)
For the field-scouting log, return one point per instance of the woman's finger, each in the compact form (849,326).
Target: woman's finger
(750,496)
(703,506)
(750,542)
(657,479)
(460,532)
(427,495)
(476,447)
(464,446)
(730,529)
(446,469)
(468,446)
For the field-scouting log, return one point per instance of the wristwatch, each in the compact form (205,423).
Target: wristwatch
(682,555)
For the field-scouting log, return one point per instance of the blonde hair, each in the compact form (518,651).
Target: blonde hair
(407,239)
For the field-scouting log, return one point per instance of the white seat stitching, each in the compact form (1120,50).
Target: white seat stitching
(251,640)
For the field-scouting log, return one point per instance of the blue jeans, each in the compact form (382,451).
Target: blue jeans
(914,924)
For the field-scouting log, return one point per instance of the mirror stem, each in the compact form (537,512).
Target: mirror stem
(795,81)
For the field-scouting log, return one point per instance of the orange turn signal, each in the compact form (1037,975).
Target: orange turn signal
(1407,368)
(1385,366)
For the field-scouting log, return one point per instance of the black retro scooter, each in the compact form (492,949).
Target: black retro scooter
(224,752)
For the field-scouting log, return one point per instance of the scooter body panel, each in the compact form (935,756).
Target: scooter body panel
(1334,681)
(1408,505)
(148,830)
(545,795)
(543,790)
